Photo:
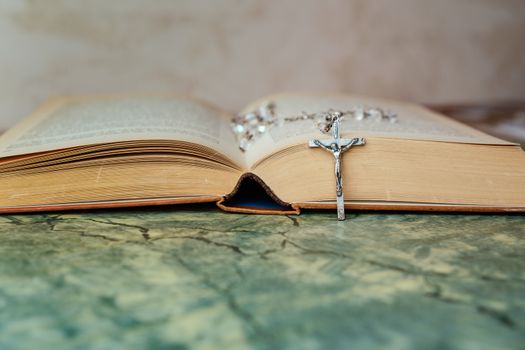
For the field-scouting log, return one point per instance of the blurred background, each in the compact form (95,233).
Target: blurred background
(449,53)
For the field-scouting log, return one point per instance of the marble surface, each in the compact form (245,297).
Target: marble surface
(194,277)
(231,52)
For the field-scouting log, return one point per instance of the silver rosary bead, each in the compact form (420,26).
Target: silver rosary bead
(249,126)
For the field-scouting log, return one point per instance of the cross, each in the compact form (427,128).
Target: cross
(337,146)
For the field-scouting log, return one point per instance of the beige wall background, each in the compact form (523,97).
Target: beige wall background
(230,51)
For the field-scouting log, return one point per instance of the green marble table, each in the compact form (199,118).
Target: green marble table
(197,278)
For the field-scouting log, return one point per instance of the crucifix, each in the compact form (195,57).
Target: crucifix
(337,146)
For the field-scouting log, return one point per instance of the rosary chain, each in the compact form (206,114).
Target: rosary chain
(250,125)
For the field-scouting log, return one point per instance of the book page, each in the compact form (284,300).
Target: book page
(70,122)
(414,122)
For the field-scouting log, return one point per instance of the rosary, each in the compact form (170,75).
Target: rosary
(248,127)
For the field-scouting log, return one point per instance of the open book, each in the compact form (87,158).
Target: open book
(118,151)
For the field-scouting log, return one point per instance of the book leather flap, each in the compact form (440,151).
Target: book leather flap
(252,195)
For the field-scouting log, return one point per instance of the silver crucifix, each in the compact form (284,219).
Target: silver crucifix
(337,146)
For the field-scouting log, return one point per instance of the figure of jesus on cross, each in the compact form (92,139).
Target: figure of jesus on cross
(337,146)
